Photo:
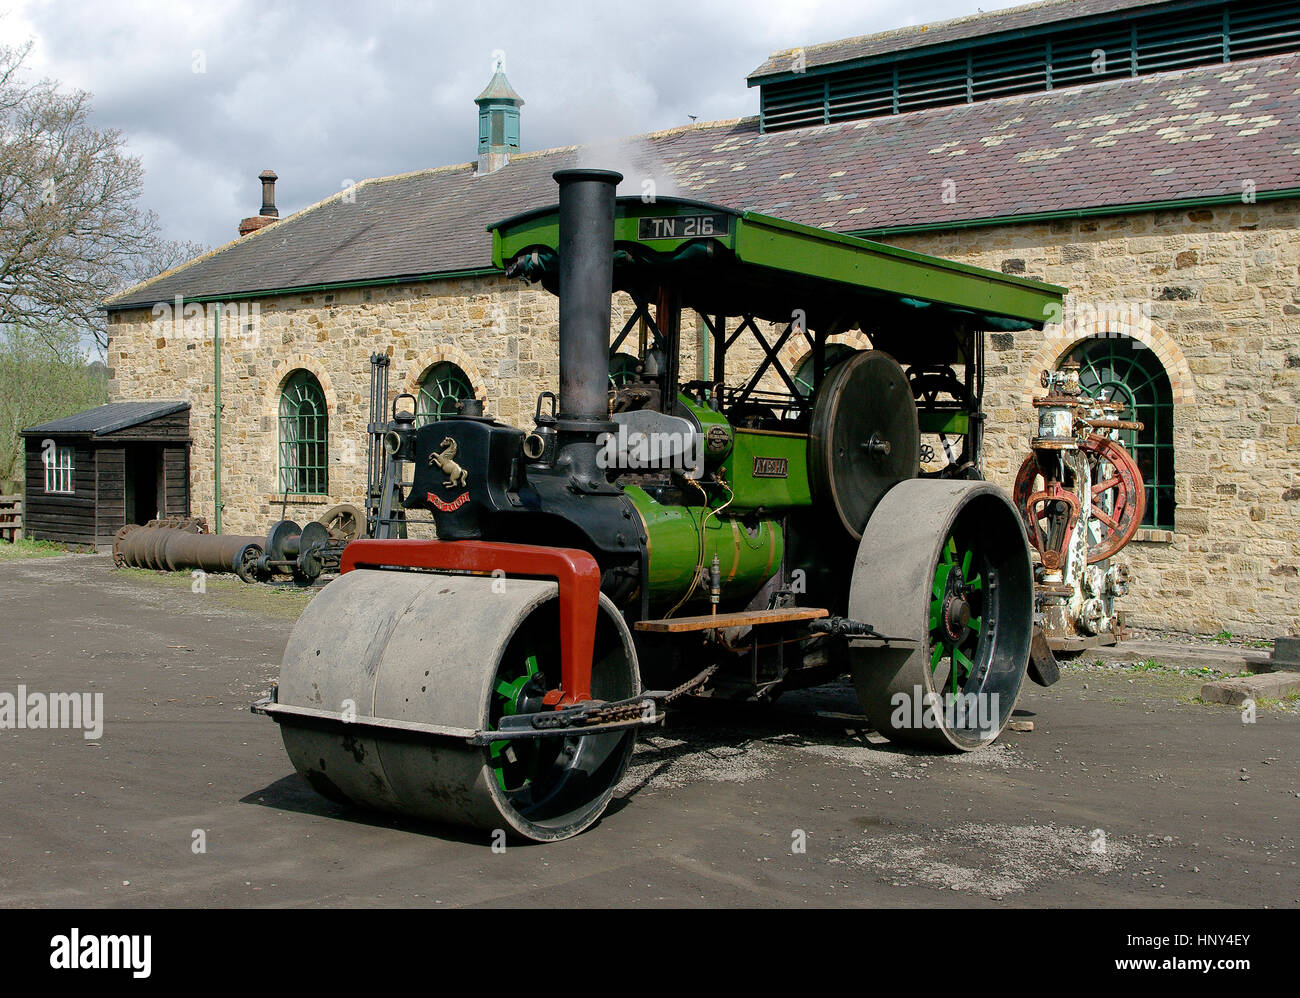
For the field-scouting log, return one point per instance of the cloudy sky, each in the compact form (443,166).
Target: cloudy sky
(325,93)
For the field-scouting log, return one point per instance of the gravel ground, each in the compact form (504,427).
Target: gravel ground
(1128,792)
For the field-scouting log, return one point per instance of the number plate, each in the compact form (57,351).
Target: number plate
(771,467)
(683,227)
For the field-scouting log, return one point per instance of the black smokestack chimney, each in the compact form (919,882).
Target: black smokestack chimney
(586,284)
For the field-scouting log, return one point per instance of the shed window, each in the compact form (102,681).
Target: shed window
(304,436)
(58,470)
(443,387)
(1122,369)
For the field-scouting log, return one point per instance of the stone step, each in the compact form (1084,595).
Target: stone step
(1238,689)
(1180,655)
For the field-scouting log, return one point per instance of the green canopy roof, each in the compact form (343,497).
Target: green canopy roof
(727,262)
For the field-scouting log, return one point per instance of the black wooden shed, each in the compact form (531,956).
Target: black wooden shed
(91,473)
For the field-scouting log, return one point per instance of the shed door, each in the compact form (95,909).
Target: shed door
(144,482)
(176,475)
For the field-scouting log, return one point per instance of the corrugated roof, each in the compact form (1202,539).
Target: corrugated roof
(984,26)
(106,418)
(1194,133)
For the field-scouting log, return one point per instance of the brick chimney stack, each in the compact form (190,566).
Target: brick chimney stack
(269,213)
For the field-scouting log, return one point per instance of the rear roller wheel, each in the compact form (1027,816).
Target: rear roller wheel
(452,650)
(943,568)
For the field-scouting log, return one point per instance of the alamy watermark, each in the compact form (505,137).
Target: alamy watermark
(92,951)
(1100,319)
(651,450)
(954,711)
(240,322)
(53,710)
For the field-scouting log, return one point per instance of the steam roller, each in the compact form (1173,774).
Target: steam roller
(662,536)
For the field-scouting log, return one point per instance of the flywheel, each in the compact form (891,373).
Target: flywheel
(1118,498)
(865,436)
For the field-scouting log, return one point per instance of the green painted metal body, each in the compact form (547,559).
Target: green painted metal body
(747,555)
(943,421)
(768,470)
(719,436)
(541,228)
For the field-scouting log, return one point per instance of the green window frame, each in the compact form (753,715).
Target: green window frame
(1119,368)
(442,388)
(304,436)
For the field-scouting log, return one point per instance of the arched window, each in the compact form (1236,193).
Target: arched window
(443,386)
(1122,369)
(304,436)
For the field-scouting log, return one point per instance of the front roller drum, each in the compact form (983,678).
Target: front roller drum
(943,571)
(457,651)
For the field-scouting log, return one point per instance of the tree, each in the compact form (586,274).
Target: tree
(43,375)
(72,232)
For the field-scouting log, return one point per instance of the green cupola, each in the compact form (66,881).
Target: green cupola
(498,122)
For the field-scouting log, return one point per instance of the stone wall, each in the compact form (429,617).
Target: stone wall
(1215,292)
(501,333)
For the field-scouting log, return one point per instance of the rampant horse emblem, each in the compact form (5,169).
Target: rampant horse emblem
(456,475)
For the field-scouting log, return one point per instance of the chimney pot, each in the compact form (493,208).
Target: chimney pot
(268,179)
(269,213)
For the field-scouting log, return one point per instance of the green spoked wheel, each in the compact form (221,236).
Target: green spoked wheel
(956,617)
(943,570)
(516,766)
(552,785)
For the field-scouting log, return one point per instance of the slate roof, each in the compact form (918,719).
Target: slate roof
(986,27)
(106,419)
(1162,137)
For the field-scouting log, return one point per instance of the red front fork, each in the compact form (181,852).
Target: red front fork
(576,572)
